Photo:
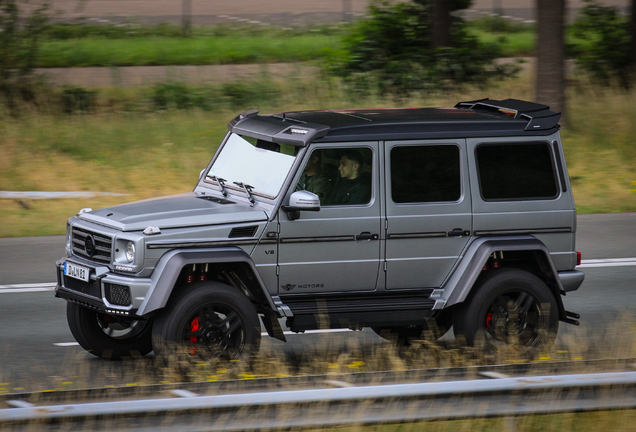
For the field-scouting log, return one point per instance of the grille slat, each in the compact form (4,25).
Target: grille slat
(102,245)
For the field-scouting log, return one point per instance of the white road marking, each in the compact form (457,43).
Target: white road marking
(609,262)
(66,344)
(25,288)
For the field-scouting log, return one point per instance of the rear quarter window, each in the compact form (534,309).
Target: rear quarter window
(511,171)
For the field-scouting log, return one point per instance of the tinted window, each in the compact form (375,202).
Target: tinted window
(343,174)
(422,174)
(516,171)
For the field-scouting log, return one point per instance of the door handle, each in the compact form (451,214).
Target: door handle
(367,236)
(458,232)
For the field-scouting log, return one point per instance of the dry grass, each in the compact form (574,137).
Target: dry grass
(145,154)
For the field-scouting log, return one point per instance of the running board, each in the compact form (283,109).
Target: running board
(359,310)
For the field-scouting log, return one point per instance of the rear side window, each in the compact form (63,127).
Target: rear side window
(421,174)
(516,171)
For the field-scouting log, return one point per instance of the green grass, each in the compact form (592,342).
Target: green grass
(203,50)
(133,45)
(615,421)
(518,44)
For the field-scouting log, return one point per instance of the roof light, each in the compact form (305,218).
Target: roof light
(152,230)
(84,210)
(299,131)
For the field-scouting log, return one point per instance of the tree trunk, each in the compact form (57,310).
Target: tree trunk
(550,80)
(633,31)
(440,23)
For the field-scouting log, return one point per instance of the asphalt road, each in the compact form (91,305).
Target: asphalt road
(37,350)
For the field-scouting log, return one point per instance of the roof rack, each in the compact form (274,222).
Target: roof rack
(539,116)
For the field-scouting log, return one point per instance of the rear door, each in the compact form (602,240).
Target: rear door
(428,210)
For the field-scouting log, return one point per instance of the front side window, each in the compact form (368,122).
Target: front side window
(339,176)
(421,174)
(261,165)
(516,171)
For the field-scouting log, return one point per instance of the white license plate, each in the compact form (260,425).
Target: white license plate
(76,272)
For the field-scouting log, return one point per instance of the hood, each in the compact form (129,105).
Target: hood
(174,211)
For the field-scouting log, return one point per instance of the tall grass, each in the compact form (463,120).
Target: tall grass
(132,144)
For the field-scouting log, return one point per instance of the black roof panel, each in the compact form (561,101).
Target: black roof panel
(479,118)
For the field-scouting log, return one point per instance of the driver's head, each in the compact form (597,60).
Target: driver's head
(350,164)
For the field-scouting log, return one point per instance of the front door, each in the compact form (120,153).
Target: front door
(338,248)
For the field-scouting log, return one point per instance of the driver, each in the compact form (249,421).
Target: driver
(353,187)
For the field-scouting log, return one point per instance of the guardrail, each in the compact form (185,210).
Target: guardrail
(395,403)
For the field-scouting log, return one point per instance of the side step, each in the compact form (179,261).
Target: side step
(359,310)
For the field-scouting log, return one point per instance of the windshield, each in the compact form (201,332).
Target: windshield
(259,164)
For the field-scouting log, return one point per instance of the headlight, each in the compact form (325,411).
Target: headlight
(130,252)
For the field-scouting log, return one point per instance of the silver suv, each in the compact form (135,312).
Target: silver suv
(395,219)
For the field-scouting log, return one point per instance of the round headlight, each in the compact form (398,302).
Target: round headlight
(130,252)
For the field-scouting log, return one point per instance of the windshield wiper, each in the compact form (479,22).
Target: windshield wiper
(221,183)
(248,191)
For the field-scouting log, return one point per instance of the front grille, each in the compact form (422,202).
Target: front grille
(99,246)
(90,288)
(117,294)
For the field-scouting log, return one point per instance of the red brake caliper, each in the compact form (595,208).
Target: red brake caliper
(489,320)
(194,327)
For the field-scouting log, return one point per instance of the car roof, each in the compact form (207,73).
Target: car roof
(480,118)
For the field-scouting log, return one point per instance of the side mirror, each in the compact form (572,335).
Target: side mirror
(301,201)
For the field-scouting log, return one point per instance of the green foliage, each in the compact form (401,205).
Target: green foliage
(390,49)
(604,50)
(77,100)
(20,38)
(236,95)
(497,24)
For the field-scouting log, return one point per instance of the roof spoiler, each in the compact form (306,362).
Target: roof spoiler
(276,129)
(539,116)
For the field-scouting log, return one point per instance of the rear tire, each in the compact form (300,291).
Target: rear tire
(211,320)
(108,336)
(511,310)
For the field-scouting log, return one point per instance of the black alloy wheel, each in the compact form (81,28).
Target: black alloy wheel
(211,320)
(511,309)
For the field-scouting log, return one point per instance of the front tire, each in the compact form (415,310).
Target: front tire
(108,336)
(211,320)
(510,311)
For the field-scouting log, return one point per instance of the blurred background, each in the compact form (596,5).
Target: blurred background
(129,99)
(130,88)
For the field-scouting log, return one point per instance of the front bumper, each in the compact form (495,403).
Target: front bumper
(105,291)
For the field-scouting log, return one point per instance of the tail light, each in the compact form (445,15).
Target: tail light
(578,258)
